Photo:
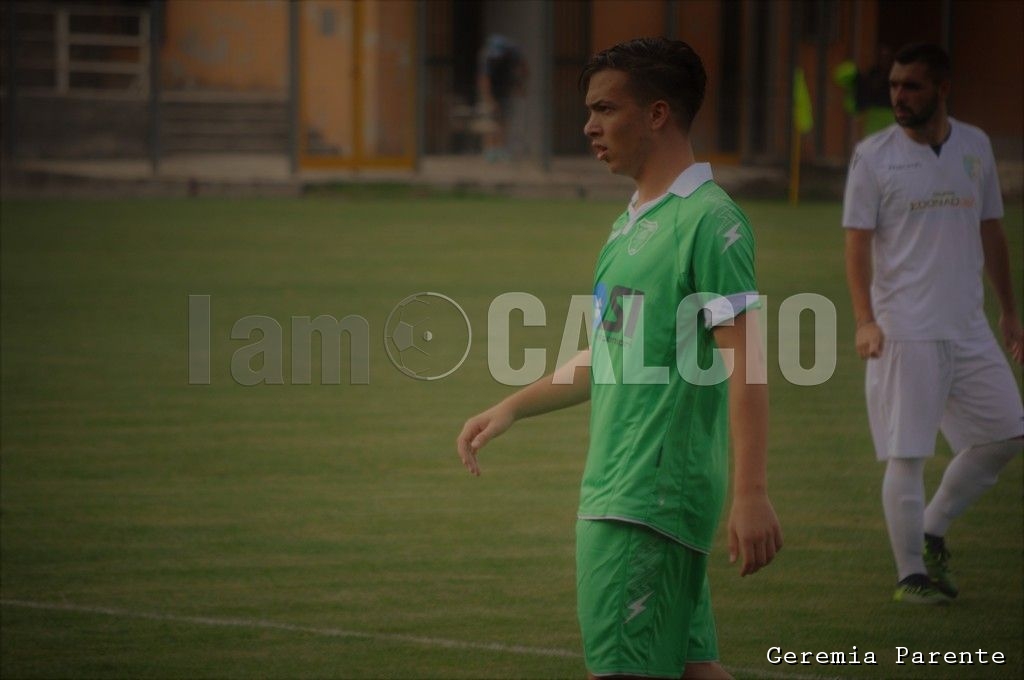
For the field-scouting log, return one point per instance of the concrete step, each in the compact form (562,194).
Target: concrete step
(220,126)
(188,143)
(225,114)
(242,106)
(224,127)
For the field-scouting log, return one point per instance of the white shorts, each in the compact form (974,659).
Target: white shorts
(964,388)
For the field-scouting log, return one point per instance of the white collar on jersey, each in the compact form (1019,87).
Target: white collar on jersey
(689,180)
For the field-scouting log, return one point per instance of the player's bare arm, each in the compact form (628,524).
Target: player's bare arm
(869,338)
(567,386)
(754,531)
(997,266)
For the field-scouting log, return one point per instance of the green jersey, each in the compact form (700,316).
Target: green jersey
(670,272)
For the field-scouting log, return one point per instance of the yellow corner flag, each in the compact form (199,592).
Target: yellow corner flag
(803,115)
(803,122)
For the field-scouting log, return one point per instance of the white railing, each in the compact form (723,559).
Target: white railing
(65,70)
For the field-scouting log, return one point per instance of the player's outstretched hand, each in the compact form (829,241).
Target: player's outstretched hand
(479,430)
(754,532)
(869,340)
(1013,336)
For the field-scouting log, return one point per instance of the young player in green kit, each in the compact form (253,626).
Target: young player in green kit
(657,466)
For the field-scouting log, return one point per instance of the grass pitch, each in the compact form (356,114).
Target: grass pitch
(153,528)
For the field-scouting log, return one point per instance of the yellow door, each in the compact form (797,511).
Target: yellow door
(357,83)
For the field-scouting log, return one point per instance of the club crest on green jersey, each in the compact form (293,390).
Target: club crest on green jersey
(972,166)
(642,233)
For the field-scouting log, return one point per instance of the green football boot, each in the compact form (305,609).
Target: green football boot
(919,589)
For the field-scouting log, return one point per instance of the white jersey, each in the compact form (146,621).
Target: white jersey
(926,212)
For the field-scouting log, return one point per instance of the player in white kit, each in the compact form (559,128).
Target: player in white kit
(922,215)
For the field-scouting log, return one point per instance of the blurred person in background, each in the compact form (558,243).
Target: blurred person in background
(867,93)
(501,79)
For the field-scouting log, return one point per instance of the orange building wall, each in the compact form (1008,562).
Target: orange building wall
(988,65)
(237,45)
(866,47)
(699,26)
(780,100)
(613,21)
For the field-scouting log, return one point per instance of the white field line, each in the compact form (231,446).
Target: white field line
(293,628)
(400,638)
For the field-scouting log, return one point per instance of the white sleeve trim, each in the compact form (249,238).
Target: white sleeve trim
(726,308)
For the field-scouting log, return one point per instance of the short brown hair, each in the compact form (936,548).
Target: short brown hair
(658,68)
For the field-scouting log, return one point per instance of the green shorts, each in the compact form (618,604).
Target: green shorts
(643,601)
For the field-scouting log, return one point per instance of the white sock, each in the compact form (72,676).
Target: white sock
(903,502)
(971,473)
